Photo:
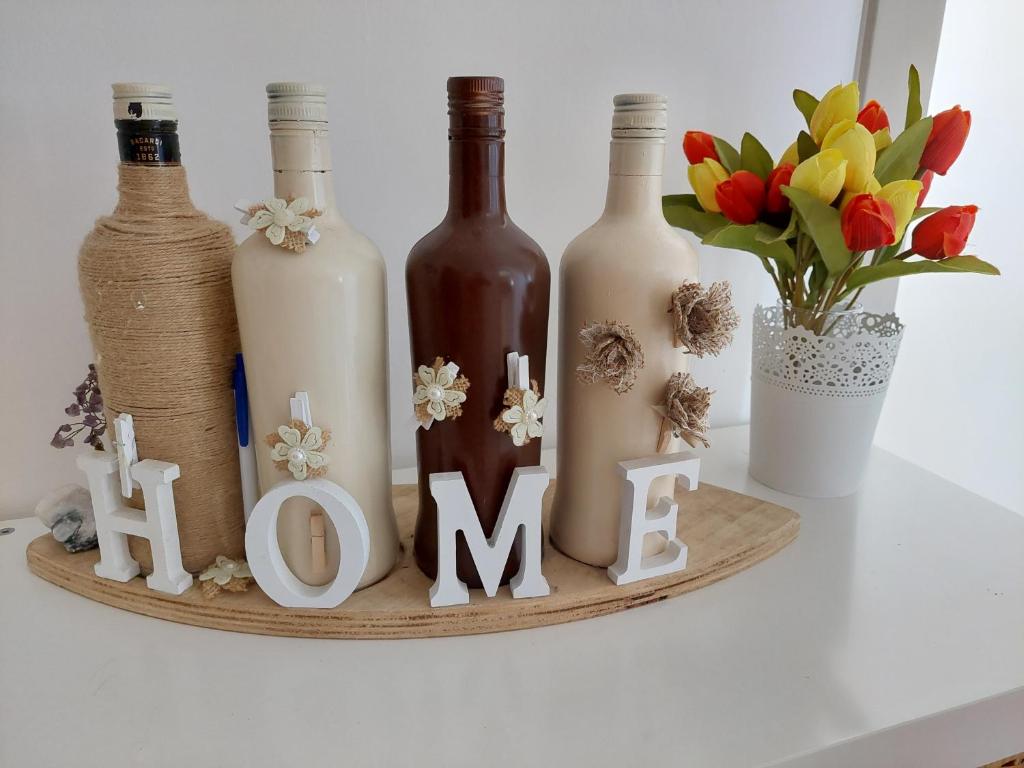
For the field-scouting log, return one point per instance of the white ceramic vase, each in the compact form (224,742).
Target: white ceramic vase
(815,399)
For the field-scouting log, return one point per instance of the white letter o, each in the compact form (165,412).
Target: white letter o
(267,563)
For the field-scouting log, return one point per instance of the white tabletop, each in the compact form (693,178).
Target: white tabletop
(890,633)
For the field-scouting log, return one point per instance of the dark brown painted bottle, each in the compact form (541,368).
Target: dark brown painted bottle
(478,288)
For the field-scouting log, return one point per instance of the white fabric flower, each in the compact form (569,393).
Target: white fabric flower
(526,419)
(280,216)
(434,390)
(301,453)
(225,569)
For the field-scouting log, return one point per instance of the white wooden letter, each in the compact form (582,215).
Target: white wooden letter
(636,521)
(521,510)
(157,524)
(267,563)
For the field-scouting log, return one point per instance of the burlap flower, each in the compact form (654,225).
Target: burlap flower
(524,410)
(225,575)
(703,320)
(299,448)
(613,355)
(439,392)
(287,223)
(686,409)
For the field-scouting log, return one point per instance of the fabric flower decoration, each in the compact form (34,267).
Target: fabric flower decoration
(439,392)
(298,448)
(522,415)
(287,224)
(225,574)
(613,355)
(685,411)
(703,320)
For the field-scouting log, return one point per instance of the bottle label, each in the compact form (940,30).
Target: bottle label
(148,142)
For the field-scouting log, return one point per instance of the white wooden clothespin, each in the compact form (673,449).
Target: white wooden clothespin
(300,408)
(518,370)
(127,451)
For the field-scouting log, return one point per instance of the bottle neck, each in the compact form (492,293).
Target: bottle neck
(634,177)
(476,178)
(301,156)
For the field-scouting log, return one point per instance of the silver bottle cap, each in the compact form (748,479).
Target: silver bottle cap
(639,116)
(305,102)
(143,101)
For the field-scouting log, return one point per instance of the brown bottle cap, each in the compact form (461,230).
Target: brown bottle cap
(476,107)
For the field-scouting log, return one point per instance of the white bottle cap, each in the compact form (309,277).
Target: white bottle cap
(305,102)
(639,116)
(143,101)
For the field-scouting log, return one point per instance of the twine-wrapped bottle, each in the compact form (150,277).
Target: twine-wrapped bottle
(156,284)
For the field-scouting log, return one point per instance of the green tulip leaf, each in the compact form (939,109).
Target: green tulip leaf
(754,157)
(872,274)
(745,237)
(900,160)
(913,97)
(805,103)
(684,211)
(727,154)
(769,234)
(821,222)
(805,146)
(922,212)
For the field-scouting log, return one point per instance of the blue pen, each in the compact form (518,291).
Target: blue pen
(246,450)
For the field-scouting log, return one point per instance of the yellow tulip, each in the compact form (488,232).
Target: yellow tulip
(790,156)
(872,188)
(882,139)
(902,196)
(704,177)
(822,175)
(840,103)
(858,147)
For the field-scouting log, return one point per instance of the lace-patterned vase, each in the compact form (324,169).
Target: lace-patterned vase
(815,399)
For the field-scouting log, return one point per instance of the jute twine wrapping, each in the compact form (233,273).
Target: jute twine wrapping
(156,283)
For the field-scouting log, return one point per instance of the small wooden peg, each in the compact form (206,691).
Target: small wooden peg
(665,435)
(317,539)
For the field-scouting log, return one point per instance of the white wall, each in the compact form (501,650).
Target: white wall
(725,67)
(956,402)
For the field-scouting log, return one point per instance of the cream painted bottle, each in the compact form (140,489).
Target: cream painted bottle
(316,321)
(623,269)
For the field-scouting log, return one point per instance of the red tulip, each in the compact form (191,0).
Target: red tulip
(868,223)
(775,201)
(947,138)
(741,197)
(873,117)
(926,184)
(944,233)
(698,145)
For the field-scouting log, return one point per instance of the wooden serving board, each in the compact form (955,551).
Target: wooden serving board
(725,531)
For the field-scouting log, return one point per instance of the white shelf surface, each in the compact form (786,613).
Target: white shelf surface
(890,633)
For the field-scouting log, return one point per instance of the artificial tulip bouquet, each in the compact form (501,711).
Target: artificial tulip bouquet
(830,217)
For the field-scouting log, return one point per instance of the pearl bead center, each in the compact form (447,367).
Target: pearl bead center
(435,393)
(297,455)
(284,217)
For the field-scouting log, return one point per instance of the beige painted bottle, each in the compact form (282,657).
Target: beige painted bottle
(316,321)
(624,268)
